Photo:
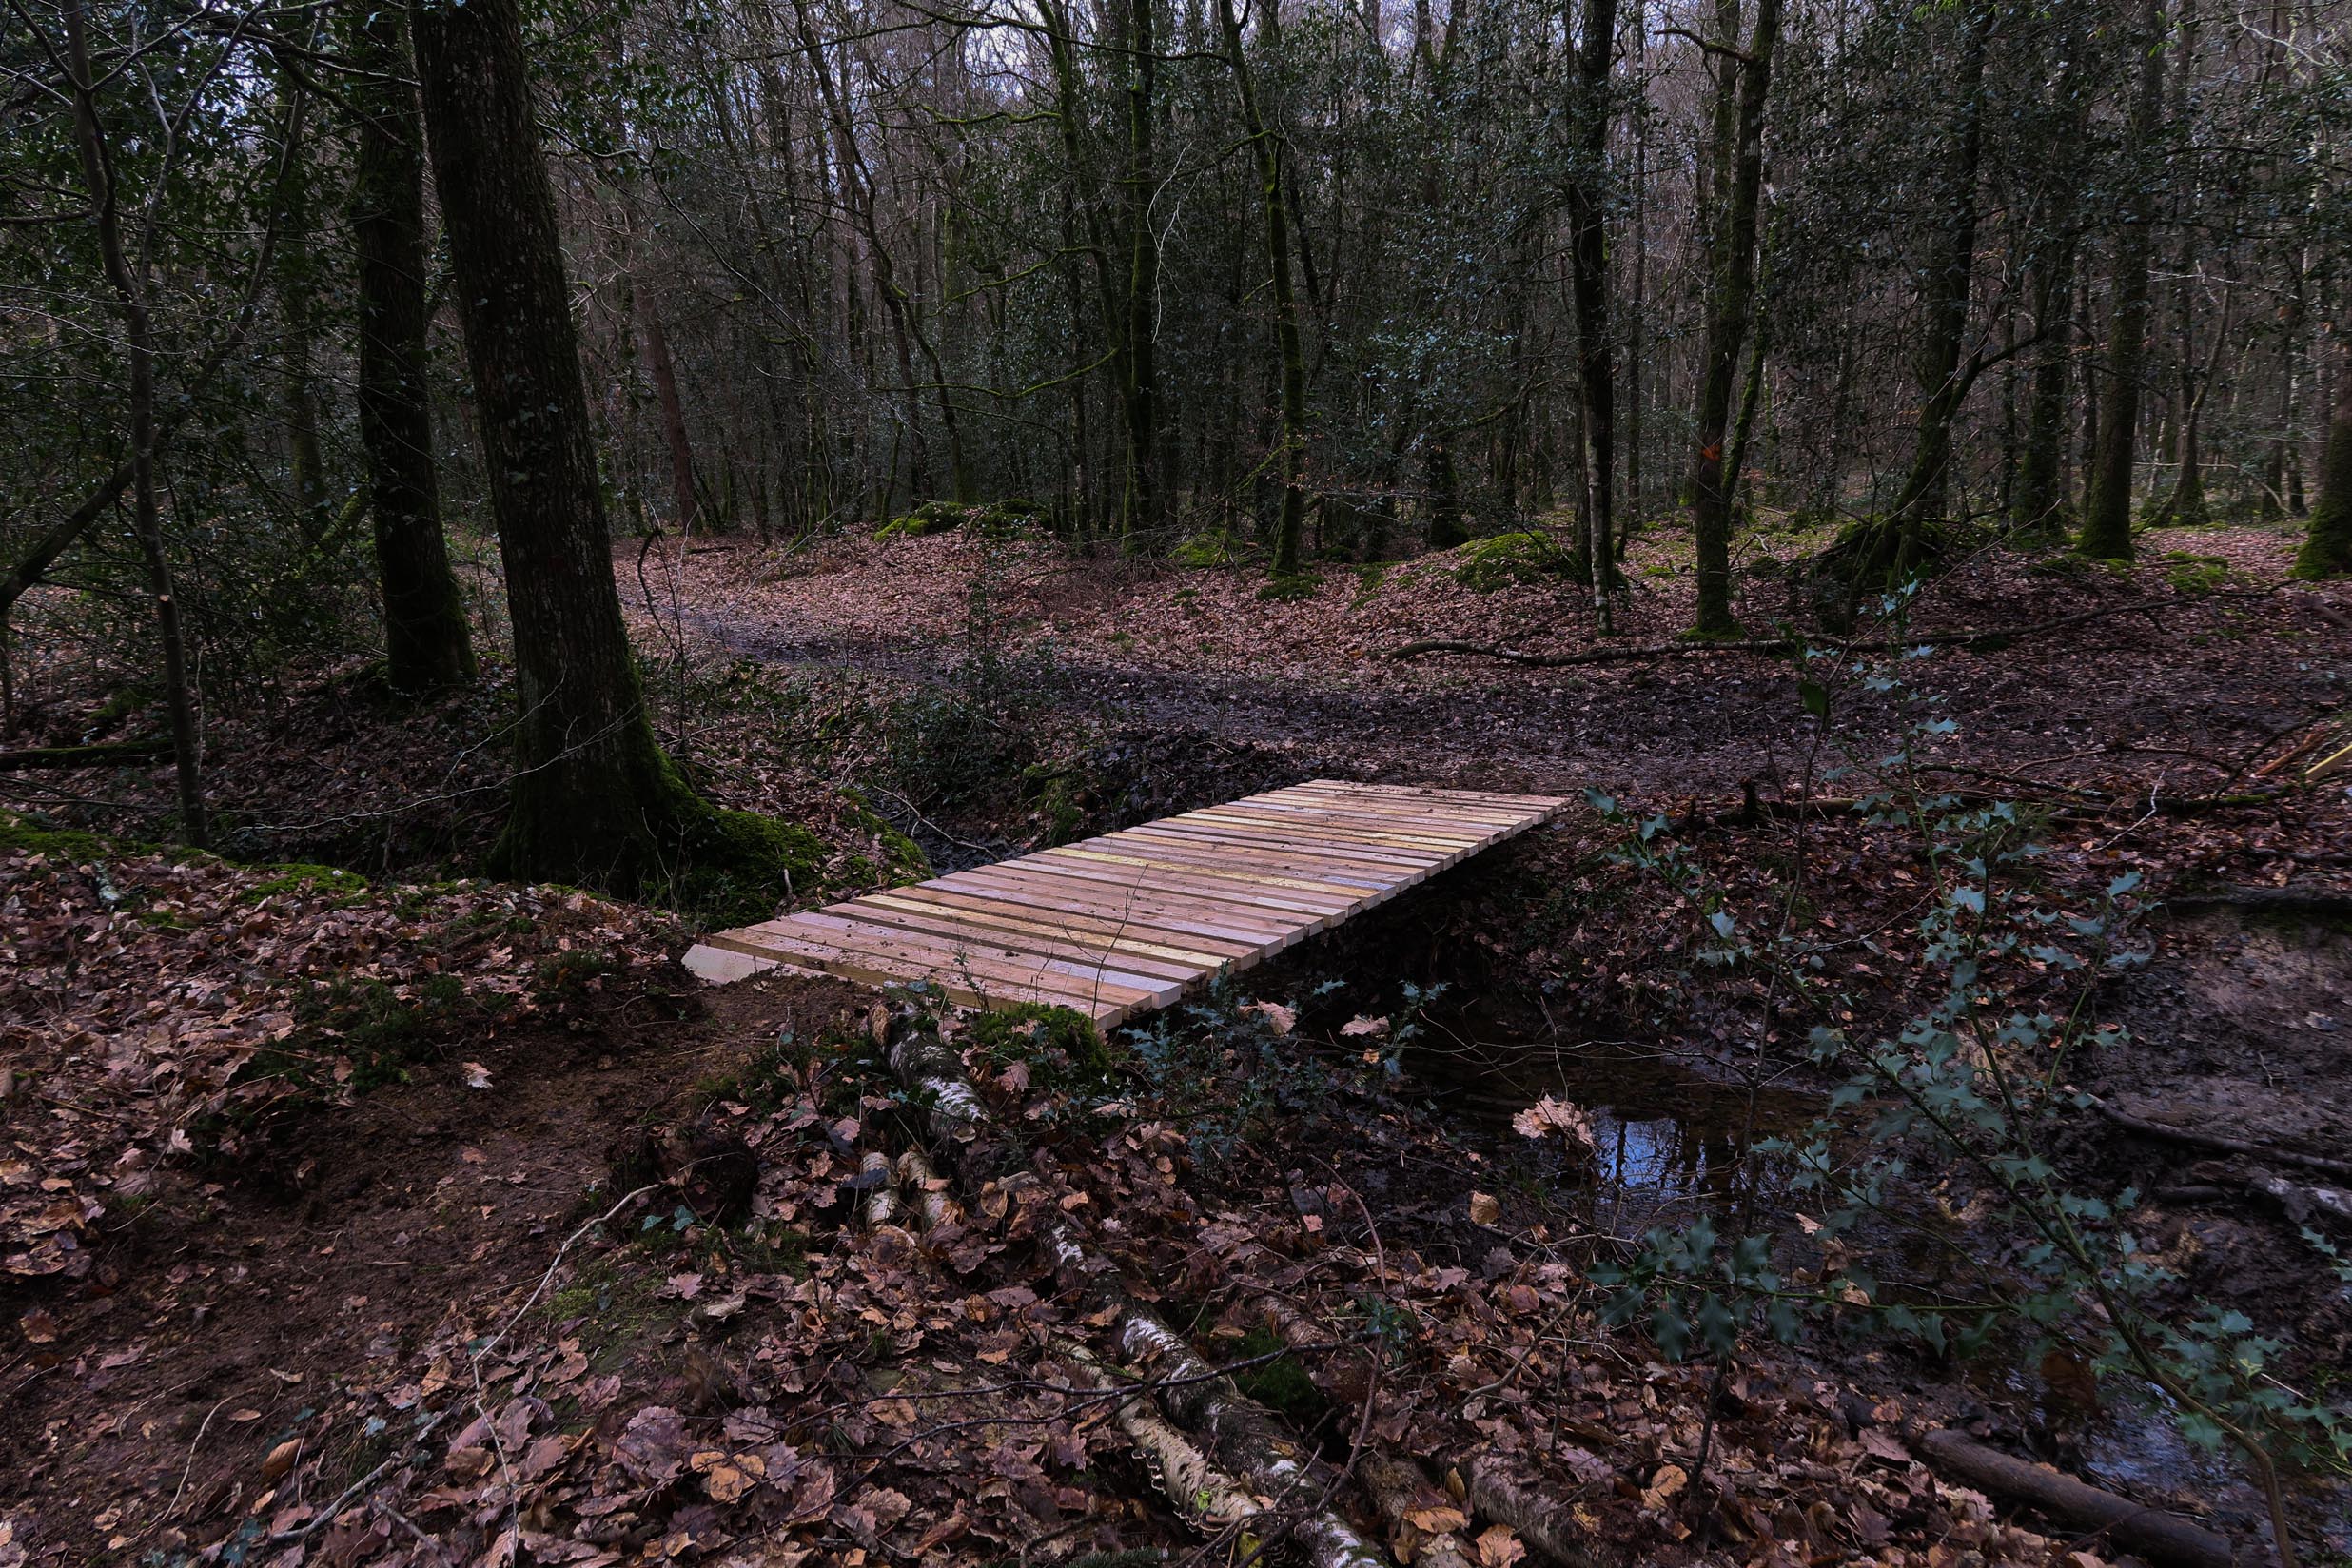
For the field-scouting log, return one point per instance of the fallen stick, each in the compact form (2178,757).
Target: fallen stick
(2159,1536)
(1211,1500)
(2224,1145)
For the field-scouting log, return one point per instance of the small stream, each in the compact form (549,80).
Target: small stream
(1666,1149)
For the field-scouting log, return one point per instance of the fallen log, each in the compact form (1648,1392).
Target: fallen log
(2161,1536)
(1424,1523)
(2219,1143)
(1238,1434)
(111,754)
(1542,1522)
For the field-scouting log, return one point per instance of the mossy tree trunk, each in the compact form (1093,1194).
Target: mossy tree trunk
(2328,541)
(1268,152)
(427,644)
(2107,506)
(1731,299)
(1589,283)
(594,798)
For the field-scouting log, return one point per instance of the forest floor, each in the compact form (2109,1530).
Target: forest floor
(314,1237)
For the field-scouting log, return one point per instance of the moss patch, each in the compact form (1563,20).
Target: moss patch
(299,876)
(1281,1384)
(992,520)
(1525,557)
(1060,1046)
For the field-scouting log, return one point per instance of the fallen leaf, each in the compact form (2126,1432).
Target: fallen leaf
(1548,1116)
(477,1076)
(1499,1546)
(1484,1208)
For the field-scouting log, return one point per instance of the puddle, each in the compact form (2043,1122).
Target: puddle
(1664,1139)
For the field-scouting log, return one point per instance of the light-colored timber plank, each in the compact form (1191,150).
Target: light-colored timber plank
(823,958)
(1024,937)
(1256,857)
(1322,837)
(1449,827)
(1123,937)
(1220,904)
(985,959)
(1126,871)
(1156,908)
(1429,794)
(1333,897)
(1398,812)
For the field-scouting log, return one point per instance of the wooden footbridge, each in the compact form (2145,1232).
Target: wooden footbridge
(1133,920)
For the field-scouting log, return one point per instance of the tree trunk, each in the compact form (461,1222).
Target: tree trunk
(672,414)
(1731,301)
(1269,154)
(2039,501)
(593,798)
(1944,291)
(2106,508)
(2328,542)
(1589,282)
(427,644)
(129,288)
(1139,505)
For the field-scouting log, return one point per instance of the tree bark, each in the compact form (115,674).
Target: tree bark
(1945,290)
(1731,302)
(1139,504)
(2107,509)
(593,798)
(427,644)
(1589,283)
(672,414)
(1287,351)
(2327,538)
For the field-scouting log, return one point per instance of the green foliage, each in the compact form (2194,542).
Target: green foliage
(1525,558)
(1203,552)
(22,832)
(969,742)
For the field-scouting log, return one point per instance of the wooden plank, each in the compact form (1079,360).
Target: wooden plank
(983,960)
(1400,812)
(1020,936)
(1125,903)
(1324,897)
(1132,935)
(826,959)
(1258,858)
(1322,838)
(1124,872)
(1422,794)
(1081,882)
(1375,820)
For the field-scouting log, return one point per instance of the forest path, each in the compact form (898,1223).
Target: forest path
(2175,707)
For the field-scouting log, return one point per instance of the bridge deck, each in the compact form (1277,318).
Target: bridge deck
(1131,921)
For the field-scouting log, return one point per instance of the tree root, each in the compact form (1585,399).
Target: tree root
(2224,1145)
(2152,1533)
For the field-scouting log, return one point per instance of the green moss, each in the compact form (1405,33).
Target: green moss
(994,520)
(1059,1045)
(1290,588)
(1203,552)
(1282,1385)
(903,859)
(1524,558)
(22,832)
(297,877)
(2193,574)
(736,866)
